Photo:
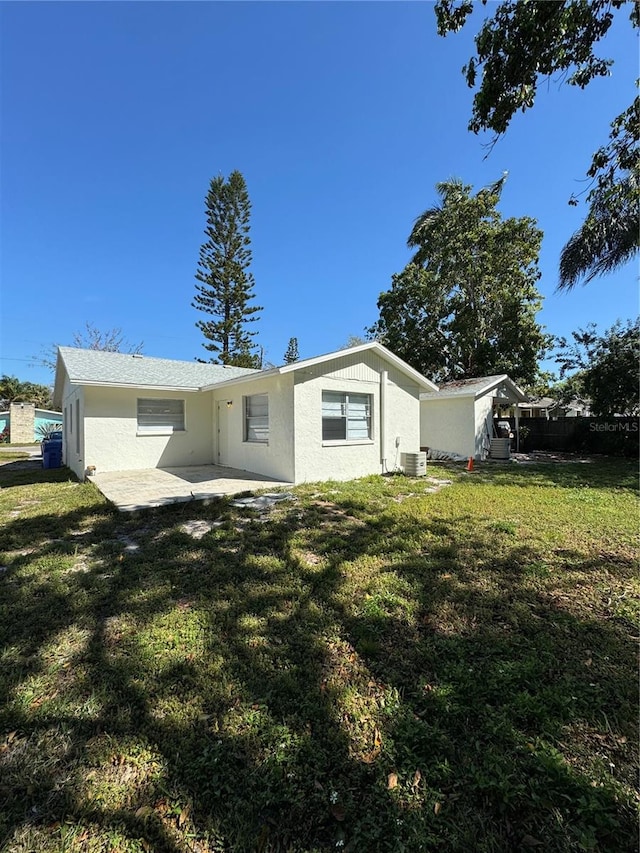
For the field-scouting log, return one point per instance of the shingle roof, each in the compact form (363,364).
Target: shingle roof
(467,387)
(475,387)
(115,368)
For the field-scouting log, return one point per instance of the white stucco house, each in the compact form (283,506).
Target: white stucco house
(337,416)
(458,417)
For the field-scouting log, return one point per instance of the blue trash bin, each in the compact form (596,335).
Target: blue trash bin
(51,453)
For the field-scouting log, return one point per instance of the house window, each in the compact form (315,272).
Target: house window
(160,416)
(77,426)
(346,417)
(256,418)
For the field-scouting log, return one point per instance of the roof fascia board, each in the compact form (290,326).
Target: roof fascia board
(58,379)
(141,387)
(447,395)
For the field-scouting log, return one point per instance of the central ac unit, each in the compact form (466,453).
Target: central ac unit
(414,464)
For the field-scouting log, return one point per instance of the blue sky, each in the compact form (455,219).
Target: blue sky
(342,118)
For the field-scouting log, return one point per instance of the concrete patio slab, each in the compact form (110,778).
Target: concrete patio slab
(154,487)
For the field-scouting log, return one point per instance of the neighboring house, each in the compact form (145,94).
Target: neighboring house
(338,416)
(539,407)
(547,407)
(25,422)
(573,409)
(458,417)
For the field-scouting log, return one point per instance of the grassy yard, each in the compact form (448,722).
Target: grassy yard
(373,666)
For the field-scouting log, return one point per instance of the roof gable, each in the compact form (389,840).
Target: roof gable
(374,346)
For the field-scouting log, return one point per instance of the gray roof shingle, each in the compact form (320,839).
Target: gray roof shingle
(476,387)
(466,387)
(117,368)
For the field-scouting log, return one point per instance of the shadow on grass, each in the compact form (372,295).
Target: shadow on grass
(29,470)
(316,682)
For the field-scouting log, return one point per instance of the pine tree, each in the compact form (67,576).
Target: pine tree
(226,285)
(292,354)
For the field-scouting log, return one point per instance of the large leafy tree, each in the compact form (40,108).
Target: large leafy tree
(226,285)
(605,369)
(466,304)
(524,44)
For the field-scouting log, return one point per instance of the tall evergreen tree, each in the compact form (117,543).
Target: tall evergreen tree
(226,285)
(292,355)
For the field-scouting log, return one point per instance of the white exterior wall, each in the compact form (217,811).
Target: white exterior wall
(73,428)
(483,425)
(448,424)
(294,452)
(111,440)
(273,459)
(358,374)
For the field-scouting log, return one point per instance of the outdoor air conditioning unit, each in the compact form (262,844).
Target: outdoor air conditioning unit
(414,464)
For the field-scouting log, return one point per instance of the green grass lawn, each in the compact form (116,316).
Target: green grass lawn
(374,667)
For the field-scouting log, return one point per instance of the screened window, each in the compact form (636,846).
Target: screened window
(160,416)
(256,418)
(345,417)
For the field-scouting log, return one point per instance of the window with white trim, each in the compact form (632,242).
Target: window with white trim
(157,416)
(346,416)
(256,418)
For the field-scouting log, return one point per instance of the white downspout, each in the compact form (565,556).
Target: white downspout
(384,375)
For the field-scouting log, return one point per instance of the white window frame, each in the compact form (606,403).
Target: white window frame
(349,411)
(158,422)
(251,421)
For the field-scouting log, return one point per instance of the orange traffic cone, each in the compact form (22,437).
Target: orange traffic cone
(470,464)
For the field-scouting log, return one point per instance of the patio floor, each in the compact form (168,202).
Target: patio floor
(153,487)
